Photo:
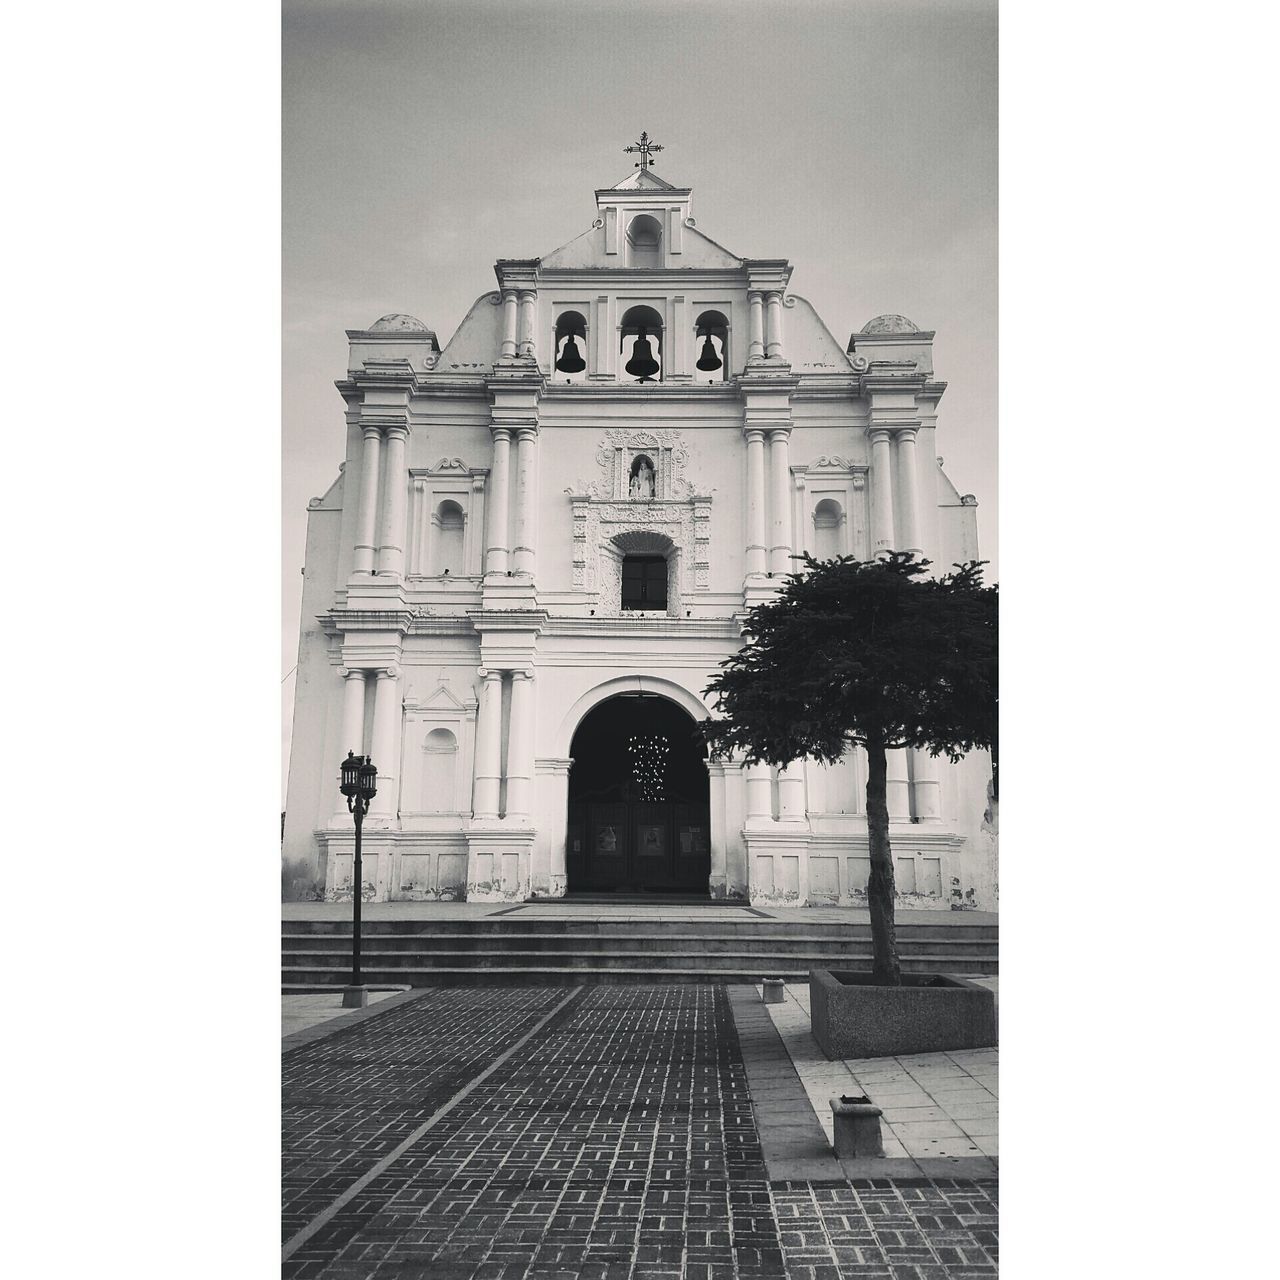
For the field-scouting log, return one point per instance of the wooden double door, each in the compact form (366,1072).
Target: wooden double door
(638,846)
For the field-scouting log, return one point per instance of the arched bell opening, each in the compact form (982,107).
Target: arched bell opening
(571,346)
(711,339)
(640,346)
(639,800)
(644,241)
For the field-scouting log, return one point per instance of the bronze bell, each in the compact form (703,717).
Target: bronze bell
(642,365)
(571,360)
(708,360)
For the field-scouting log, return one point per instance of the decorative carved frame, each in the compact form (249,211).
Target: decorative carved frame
(607,523)
(831,476)
(444,709)
(450,479)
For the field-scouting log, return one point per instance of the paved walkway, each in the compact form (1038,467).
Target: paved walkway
(602,1132)
(300,1011)
(934,1104)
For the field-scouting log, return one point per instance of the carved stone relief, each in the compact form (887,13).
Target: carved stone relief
(642,503)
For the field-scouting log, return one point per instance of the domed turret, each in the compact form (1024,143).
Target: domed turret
(396,322)
(890,324)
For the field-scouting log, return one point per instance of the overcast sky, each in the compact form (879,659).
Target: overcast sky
(423,139)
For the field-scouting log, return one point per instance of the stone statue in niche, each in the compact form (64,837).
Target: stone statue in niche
(642,478)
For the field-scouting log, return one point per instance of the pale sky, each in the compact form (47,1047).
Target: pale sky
(423,139)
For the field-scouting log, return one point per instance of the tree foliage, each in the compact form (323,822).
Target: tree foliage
(869,652)
(863,651)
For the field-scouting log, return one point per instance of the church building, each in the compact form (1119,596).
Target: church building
(541,545)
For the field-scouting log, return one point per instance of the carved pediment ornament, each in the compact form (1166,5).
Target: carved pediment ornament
(666,454)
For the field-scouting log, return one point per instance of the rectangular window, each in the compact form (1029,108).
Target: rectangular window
(644,582)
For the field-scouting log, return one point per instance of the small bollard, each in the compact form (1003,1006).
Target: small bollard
(857,1125)
(773,991)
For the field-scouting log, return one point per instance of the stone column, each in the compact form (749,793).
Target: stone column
(386,741)
(881,494)
(548,874)
(908,491)
(352,724)
(509,307)
(773,326)
(759,793)
(526,499)
(484,803)
(520,748)
(367,521)
(394,487)
(718,833)
(500,502)
(755,350)
(780,466)
(527,345)
(791,792)
(926,787)
(897,785)
(756,551)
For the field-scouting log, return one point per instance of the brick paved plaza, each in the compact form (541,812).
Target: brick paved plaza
(601,1131)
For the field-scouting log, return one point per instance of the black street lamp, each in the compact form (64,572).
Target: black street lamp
(359,785)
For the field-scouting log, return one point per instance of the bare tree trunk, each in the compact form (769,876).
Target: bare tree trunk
(880,891)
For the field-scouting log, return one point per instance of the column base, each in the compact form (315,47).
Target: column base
(778,864)
(498,863)
(509,591)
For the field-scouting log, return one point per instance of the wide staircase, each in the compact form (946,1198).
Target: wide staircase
(505,948)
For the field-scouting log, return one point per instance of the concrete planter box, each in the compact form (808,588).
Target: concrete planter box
(854,1018)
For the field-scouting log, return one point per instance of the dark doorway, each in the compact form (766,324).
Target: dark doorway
(644,582)
(639,811)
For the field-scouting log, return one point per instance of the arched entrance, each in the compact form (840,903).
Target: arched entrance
(639,811)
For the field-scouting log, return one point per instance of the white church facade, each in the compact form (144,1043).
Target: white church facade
(540,547)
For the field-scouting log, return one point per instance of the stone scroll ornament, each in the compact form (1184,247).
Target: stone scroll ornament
(642,501)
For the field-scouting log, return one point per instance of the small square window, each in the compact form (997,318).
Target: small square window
(644,582)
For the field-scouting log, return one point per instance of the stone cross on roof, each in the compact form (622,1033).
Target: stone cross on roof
(645,148)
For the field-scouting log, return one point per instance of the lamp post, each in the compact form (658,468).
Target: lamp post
(359,785)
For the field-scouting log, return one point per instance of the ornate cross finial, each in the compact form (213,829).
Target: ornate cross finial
(645,148)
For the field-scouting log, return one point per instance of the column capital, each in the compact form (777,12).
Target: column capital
(879,435)
(397,431)
(755,295)
(500,433)
(908,433)
(526,431)
(771,294)
(528,295)
(753,434)
(348,672)
(521,673)
(779,432)
(371,430)
(390,672)
(488,673)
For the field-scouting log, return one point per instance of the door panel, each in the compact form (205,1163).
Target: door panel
(692,851)
(651,845)
(607,831)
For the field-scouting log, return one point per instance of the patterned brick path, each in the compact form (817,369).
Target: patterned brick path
(617,1142)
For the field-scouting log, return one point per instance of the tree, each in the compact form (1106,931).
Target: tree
(868,652)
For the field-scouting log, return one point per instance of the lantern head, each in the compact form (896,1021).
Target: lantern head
(351,774)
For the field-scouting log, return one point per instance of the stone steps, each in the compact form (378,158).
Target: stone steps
(683,928)
(643,946)
(490,951)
